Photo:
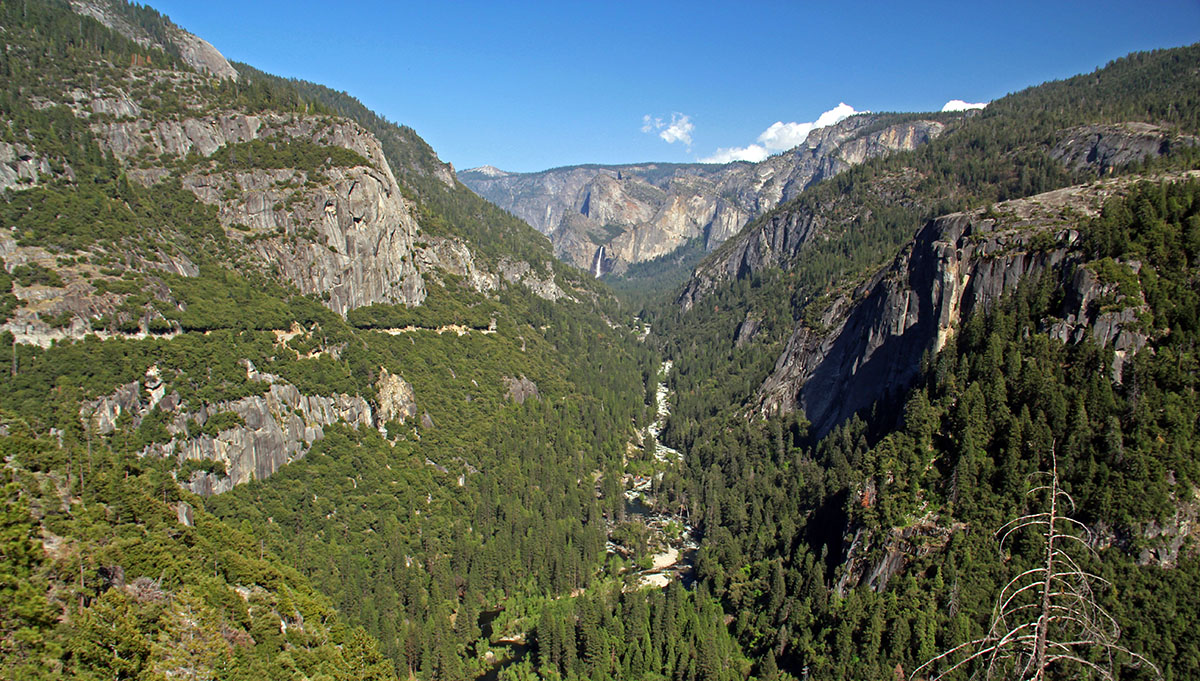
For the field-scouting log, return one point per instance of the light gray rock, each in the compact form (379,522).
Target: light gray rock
(21,167)
(111,101)
(747,330)
(197,53)
(1115,325)
(396,399)
(453,256)
(520,389)
(127,138)
(184,513)
(1104,148)
(361,248)
(867,344)
(279,426)
(103,413)
(640,212)
(521,272)
(348,238)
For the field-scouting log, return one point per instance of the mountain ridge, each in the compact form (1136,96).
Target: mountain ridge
(642,211)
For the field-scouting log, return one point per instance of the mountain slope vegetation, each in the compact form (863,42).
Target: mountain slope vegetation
(183,325)
(286,400)
(868,550)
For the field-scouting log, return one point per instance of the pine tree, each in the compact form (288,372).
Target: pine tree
(108,641)
(189,645)
(26,618)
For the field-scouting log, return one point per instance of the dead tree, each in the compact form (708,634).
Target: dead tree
(1046,618)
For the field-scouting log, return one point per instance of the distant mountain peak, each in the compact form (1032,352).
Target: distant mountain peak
(490,171)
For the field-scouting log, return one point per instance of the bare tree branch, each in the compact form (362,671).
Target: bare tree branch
(1048,612)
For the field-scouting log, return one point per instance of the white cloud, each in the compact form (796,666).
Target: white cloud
(782,135)
(835,115)
(678,130)
(753,153)
(960,105)
(779,137)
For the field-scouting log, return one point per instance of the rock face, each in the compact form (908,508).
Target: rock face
(342,232)
(346,236)
(276,427)
(1105,147)
(899,547)
(454,257)
(867,344)
(127,137)
(521,389)
(362,251)
(640,212)
(777,238)
(1112,325)
(279,428)
(397,401)
(21,167)
(521,272)
(195,52)
(350,237)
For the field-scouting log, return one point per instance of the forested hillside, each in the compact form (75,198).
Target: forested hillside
(281,398)
(1066,336)
(792,266)
(285,400)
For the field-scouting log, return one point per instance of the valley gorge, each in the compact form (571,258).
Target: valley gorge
(287,396)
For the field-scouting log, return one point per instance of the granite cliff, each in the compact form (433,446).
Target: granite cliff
(603,218)
(248,438)
(193,50)
(867,344)
(344,232)
(777,238)
(1104,148)
(285,194)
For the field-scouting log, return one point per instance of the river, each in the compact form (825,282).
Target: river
(509,652)
(663,453)
(669,532)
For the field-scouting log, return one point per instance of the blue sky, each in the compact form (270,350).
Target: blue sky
(526,86)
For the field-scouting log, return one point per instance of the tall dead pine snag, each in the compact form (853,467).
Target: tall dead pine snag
(1046,622)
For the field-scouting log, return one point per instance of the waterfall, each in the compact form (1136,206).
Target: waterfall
(598,263)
